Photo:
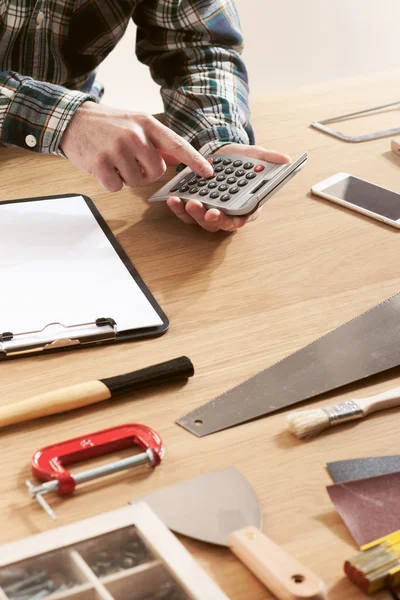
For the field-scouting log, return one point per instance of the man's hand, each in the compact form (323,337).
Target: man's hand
(118,147)
(194,212)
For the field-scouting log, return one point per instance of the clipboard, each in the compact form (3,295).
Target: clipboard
(66,282)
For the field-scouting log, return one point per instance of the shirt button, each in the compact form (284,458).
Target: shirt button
(40,17)
(30,141)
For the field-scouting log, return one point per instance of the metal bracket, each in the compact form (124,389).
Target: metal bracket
(321,125)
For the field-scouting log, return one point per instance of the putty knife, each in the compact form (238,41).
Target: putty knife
(222,508)
(364,346)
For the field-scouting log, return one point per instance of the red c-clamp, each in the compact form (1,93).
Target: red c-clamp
(48,464)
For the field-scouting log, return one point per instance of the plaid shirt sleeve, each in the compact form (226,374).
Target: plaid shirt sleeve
(35,114)
(193,49)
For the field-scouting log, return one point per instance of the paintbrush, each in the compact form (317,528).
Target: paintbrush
(308,423)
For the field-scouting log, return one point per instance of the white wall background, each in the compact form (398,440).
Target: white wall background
(288,43)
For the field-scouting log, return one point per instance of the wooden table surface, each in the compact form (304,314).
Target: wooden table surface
(237,303)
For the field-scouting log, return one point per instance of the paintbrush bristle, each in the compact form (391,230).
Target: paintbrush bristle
(307,423)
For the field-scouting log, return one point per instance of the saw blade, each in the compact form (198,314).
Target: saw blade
(366,345)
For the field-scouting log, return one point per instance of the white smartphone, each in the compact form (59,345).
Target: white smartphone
(362,196)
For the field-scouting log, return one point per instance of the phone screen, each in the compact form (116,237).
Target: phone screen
(367,195)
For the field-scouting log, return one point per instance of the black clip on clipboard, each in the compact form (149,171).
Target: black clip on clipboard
(100,331)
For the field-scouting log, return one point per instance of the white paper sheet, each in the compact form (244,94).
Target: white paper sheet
(57,265)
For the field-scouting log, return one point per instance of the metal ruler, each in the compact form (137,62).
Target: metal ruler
(364,346)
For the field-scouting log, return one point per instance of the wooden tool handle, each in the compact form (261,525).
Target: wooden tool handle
(388,399)
(51,403)
(90,392)
(280,573)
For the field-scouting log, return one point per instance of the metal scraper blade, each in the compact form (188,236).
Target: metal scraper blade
(207,508)
(364,346)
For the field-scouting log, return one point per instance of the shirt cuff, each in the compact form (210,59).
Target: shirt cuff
(210,140)
(36,113)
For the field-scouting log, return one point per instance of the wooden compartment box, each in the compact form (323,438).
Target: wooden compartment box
(127,554)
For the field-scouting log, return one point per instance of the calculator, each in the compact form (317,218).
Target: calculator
(238,186)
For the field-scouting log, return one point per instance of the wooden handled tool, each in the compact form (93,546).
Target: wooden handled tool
(90,392)
(222,508)
(307,423)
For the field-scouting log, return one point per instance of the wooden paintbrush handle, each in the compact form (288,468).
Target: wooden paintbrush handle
(286,578)
(90,392)
(388,399)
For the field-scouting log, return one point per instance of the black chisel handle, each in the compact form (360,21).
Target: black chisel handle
(90,392)
(177,368)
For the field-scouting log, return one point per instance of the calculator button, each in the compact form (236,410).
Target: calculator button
(202,182)
(231,180)
(259,168)
(238,163)
(218,169)
(214,194)
(248,165)
(194,190)
(229,170)
(223,187)
(180,182)
(220,178)
(251,175)
(203,192)
(242,183)
(234,190)
(184,188)
(227,161)
(192,181)
(216,160)
(210,159)
(225,197)
(212,185)
(240,173)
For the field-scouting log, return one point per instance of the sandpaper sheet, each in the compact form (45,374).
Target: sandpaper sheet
(362,468)
(369,507)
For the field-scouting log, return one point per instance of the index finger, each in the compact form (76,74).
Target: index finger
(168,141)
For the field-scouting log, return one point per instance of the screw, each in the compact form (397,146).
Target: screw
(32,579)
(65,586)
(128,562)
(33,590)
(39,595)
(104,566)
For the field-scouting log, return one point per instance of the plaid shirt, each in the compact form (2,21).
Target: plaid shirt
(49,50)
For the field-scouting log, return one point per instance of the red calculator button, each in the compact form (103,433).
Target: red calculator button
(259,168)
(210,159)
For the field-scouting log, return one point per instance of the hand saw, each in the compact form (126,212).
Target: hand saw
(364,346)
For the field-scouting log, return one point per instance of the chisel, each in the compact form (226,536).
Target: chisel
(90,392)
